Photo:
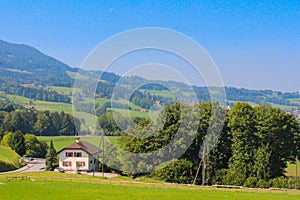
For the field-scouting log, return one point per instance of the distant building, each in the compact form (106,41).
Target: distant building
(69,94)
(79,156)
(28,85)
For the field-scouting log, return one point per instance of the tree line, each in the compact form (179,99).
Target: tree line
(42,123)
(254,147)
(35,93)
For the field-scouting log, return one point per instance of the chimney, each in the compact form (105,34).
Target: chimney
(77,139)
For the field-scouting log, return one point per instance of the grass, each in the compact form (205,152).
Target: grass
(291,169)
(162,93)
(133,113)
(53,106)
(42,105)
(9,160)
(60,142)
(38,188)
(64,89)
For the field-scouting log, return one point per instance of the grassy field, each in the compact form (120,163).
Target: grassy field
(63,141)
(42,105)
(9,159)
(64,89)
(162,93)
(133,113)
(51,185)
(291,169)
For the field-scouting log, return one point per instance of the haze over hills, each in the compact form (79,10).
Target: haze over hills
(23,64)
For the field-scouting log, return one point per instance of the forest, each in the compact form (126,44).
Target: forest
(14,117)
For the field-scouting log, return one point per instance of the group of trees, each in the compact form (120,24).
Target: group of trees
(36,122)
(254,146)
(27,145)
(35,93)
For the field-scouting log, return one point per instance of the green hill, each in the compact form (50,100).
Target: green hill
(9,160)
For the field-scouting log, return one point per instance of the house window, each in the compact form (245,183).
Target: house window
(69,154)
(77,154)
(80,164)
(67,164)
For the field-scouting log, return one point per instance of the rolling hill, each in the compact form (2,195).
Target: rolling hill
(9,160)
(22,64)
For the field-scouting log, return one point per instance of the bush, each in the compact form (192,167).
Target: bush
(250,182)
(220,177)
(234,178)
(179,171)
(279,182)
(262,184)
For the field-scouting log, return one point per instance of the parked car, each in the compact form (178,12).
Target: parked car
(59,169)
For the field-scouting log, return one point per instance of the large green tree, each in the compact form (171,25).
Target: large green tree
(34,147)
(15,140)
(51,157)
(244,142)
(275,131)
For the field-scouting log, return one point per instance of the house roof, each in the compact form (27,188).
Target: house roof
(85,146)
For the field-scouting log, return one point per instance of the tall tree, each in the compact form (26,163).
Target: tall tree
(51,157)
(275,131)
(244,142)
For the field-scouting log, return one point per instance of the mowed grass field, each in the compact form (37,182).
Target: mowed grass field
(49,188)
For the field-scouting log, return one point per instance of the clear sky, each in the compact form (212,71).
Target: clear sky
(255,44)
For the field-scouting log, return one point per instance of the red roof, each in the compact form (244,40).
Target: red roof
(85,146)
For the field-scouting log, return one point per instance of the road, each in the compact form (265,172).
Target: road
(34,165)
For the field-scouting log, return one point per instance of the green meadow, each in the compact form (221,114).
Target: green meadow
(50,186)
(60,142)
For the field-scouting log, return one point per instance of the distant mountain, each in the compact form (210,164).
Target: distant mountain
(22,66)
(26,58)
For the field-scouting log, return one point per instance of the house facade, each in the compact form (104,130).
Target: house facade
(79,156)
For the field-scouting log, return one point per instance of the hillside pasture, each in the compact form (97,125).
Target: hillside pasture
(9,160)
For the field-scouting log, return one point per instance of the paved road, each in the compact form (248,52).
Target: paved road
(35,165)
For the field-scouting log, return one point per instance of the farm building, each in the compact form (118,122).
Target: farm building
(79,156)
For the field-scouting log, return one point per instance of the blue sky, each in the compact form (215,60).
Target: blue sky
(255,44)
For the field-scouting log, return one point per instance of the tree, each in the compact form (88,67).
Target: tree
(275,131)
(51,157)
(15,141)
(244,142)
(34,147)
(44,125)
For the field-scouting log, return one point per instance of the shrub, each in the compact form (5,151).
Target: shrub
(262,184)
(220,177)
(250,182)
(179,171)
(279,182)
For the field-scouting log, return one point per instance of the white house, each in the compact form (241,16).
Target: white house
(81,156)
